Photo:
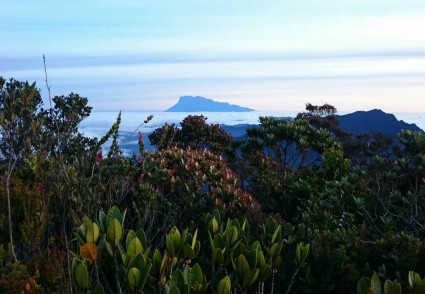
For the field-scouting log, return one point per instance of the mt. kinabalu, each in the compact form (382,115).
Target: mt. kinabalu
(198,103)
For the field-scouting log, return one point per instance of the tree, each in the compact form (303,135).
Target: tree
(20,118)
(324,117)
(275,153)
(194,133)
(61,137)
(19,123)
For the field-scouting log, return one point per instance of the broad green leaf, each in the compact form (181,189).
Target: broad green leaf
(75,263)
(275,234)
(174,290)
(137,261)
(219,242)
(362,287)
(145,274)
(125,259)
(261,260)
(175,238)
(252,258)
(130,236)
(98,289)
(188,251)
(270,225)
(196,274)
(114,232)
(232,234)
(177,280)
(142,237)
(301,253)
(86,221)
(238,249)
(375,284)
(213,226)
(81,233)
(156,260)
(197,248)
(109,248)
(392,287)
(224,286)
(80,236)
(275,251)
(250,277)
(218,256)
(102,221)
(169,245)
(92,234)
(414,279)
(81,276)
(276,262)
(298,254)
(242,267)
(134,278)
(134,247)
(265,273)
(113,213)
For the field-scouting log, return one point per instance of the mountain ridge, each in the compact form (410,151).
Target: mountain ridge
(199,103)
(372,121)
(358,123)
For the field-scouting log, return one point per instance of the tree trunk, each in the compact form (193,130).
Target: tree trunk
(9,211)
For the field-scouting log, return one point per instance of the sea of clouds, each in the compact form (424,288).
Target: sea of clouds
(99,122)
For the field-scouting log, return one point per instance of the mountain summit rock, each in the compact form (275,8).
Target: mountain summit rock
(198,103)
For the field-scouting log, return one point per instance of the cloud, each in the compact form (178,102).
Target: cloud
(259,82)
(263,55)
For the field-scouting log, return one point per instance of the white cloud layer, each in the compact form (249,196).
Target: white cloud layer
(260,54)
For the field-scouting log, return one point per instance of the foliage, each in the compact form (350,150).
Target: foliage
(274,156)
(194,133)
(239,263)
(20,118)
(324,117)
(416,285)
(299,205)
(192,182)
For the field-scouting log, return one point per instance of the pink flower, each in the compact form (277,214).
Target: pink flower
(141,179)
(140,137)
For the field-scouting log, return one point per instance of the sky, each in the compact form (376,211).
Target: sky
(268,55)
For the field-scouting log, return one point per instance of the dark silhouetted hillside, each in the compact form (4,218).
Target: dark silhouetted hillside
(373,121)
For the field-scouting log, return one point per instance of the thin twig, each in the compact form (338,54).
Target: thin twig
(292,280)
(148,119)
(64,170)
(11,167)
(47,84)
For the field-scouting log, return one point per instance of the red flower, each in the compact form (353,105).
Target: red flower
(99,156)
(140,137)
(41,186)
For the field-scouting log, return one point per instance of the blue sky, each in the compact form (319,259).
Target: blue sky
(267,55)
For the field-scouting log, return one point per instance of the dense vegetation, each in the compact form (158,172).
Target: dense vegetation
(300,206)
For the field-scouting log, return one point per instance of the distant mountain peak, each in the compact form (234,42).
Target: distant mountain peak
(198,104)
(376,120)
